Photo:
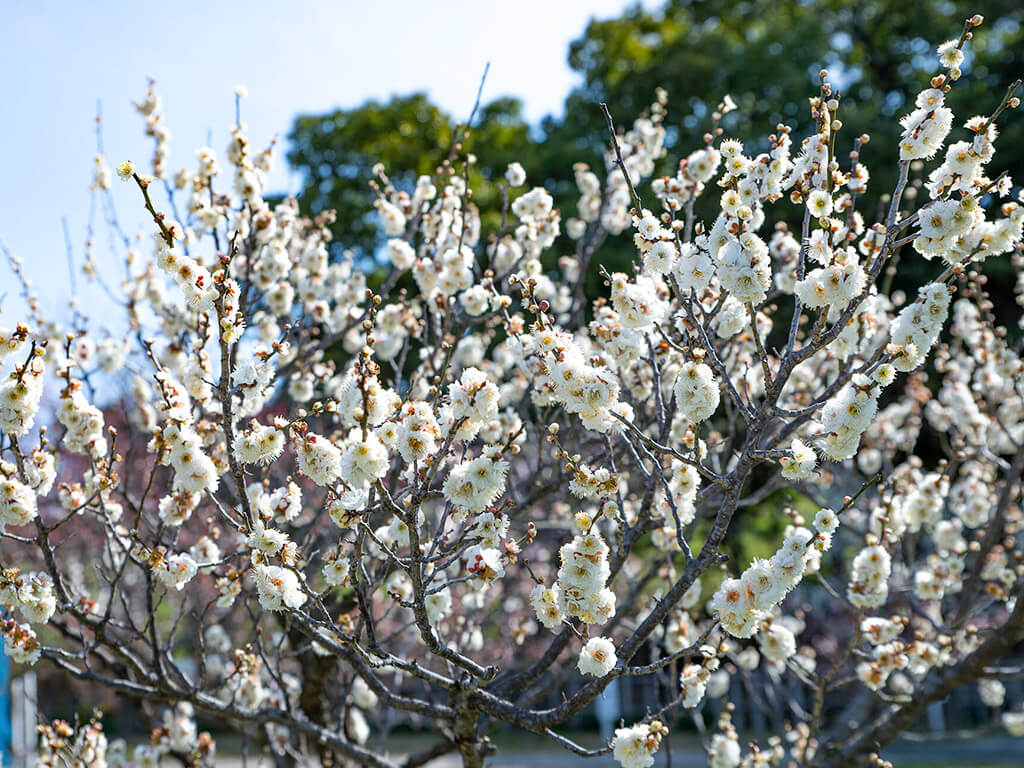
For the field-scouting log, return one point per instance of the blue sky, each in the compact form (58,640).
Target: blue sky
(60,58)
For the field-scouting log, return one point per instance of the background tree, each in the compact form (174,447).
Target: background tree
(410,136)
(286,541)
(765,53)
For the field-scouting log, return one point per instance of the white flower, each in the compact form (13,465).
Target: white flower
(582,578)
(819,203)
(992,692)
(177,507)
(40,471)
(269,541)
(879,631)
(391,218)
(36,599)
(194,471)
(744,268)
(361,694)
(724,752)
(869,580)
(475,300)
(694,268)
(476,484)
(1013,722)
(278,588)
(661,258)
(545,601)
(697,393)
(637,301)
(535,204)
(648,226)
(777,643)
(21,644)
(917,327)
(635,746)
(438,605)
(356,726)
(17,503)
(485,563)
(336,570)
(176,570)
(473,400)
(19,399)
(84,423)
(416,437)
(926,128)
(741,604)
(731,319)
(801,464)
(318,458)
(363,461)
(693,681)
(515,175)
(259,444)
(402,254)
(950,54)
(826,521)
(597,657)
(344,509)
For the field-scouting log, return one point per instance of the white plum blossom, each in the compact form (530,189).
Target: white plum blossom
(635,746)
(696,391)
(597,658)
(279,588)
(747,415)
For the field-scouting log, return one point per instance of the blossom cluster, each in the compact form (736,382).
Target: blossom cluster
(452,490)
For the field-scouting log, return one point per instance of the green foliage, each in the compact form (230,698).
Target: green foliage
(336,153)
(410,136)
(765,53)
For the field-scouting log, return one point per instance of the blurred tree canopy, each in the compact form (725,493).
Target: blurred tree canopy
(410,136)
(765,53)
